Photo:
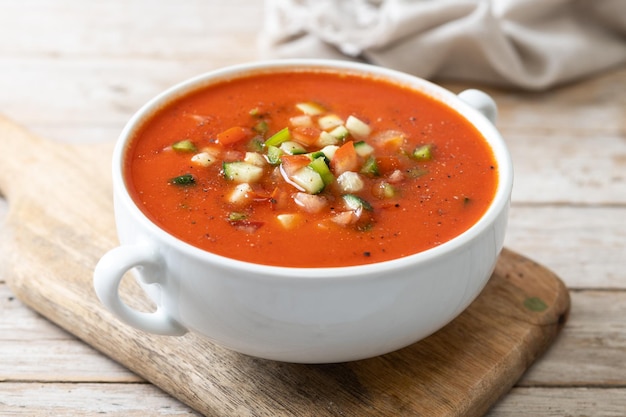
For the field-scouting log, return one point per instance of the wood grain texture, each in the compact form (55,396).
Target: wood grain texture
(75,71)
(61,222)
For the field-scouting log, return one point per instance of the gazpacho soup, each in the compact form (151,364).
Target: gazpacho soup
(310,168)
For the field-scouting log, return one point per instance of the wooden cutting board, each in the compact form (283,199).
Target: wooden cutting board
(60,222)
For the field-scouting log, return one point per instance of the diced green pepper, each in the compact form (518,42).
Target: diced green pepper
(279,137)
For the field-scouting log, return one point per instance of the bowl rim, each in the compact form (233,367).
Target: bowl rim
(496,142)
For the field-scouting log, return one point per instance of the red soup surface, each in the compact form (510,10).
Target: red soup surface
(310,169)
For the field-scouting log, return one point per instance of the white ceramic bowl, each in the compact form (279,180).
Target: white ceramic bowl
(307,315)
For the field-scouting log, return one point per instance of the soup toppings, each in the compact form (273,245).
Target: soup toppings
(311,169)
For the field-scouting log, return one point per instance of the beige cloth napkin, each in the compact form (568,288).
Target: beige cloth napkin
(531,44)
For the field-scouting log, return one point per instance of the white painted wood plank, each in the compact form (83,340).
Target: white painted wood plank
(591,349)
(88,400)
(569,168)
(584,246)
(560,402)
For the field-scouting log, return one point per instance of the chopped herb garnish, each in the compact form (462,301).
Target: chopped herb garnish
(183,180)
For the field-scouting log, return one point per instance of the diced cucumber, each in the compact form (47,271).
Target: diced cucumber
(370,167)
(363,148)
(255,158)
(317,154)
(292,148)
(310,108)
(303,120)
(279,137)
(184,146)
(289,220)
(326,139)
(240,194)
(330,121)
(357,128)
(350,182)
(320,166)
(241,172)
(340,132)
(273,155)
(261,127)
(355,203)
(329,150)
(309,180)
(256,144)
(385,190)
(423,152)
(203,159)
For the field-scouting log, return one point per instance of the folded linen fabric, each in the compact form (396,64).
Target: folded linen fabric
(531,44)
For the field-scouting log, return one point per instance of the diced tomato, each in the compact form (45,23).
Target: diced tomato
(234,135)
(248,226)
(279,199)
(306,136)
(292,163)
(345,159)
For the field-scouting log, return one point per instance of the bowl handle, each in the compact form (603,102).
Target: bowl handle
(482,102)
(109,273)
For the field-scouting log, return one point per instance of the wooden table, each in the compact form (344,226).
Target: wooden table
(75,71)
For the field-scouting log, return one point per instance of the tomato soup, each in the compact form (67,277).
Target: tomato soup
(310,169)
